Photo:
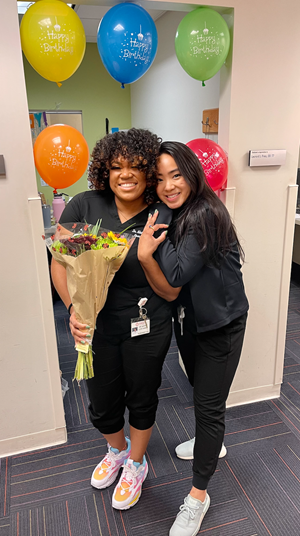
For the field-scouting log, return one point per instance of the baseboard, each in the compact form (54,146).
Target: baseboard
(26,443)
(253,394)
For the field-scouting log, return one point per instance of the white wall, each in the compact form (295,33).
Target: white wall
(166,99)
(31,409)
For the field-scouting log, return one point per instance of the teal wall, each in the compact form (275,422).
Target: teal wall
(91,90)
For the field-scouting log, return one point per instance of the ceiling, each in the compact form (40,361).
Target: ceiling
(91,12)
(90,17)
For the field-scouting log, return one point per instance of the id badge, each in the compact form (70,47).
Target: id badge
(140,326)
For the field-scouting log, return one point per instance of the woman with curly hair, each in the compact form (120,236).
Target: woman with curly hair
(127,368)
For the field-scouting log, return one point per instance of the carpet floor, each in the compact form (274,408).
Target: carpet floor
(255,490)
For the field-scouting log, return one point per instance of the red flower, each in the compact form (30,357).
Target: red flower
(73,251)
(73,226)
(105,246)
(60,250)
(54,249)
(104,235)
(117,235)
(85,227)
(52,237)
(59,228)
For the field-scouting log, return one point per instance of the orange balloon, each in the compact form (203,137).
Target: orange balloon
(61,155)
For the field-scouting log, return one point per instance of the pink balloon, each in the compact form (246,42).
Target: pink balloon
(213,160)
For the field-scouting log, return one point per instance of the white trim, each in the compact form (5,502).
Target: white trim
(30,442)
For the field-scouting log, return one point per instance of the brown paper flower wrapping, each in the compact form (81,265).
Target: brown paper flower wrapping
(88,278)
(89,274)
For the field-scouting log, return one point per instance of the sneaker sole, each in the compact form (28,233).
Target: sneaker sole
(202,517)
(192,457)
(134,501)
(108,483)
(184,457)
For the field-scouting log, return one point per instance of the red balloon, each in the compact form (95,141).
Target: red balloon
(213,160)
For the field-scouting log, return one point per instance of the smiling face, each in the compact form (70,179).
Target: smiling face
(127,182)
(172,189)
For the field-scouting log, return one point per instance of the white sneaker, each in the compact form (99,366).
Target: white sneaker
(185,450)
(107,470)
(129,487)
(190,517)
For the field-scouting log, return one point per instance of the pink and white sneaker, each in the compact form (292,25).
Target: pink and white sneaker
(107,470)
(129,487)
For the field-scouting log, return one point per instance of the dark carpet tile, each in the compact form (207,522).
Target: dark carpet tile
(56,472)
(247,410)
(68,360)
(63,335)
(178,380)
(286,412)
(155,514)
(293,327)
(76,401)
(254,429)
(289,363)
(4,527)
(291,370)
(290,392)
(173,351)
(5,477)
(292,352)
(180,418)
(258,440)
(73,516)
(166,390)
(59,309)
(273,510)
(165,437)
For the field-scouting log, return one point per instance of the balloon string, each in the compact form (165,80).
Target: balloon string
(122,86)
(59,84)
(203,85)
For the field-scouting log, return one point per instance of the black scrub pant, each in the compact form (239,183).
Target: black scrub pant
(211,359)
(127,373)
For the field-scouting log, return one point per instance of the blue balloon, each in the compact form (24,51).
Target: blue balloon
(127,42)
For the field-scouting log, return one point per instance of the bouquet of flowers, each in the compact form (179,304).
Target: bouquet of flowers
(91,256)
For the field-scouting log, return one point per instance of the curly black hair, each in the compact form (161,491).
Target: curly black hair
(136,145)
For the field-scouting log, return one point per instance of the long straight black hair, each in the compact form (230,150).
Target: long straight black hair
(203,213)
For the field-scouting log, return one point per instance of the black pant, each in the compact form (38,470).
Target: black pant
(211,360)
(127,374)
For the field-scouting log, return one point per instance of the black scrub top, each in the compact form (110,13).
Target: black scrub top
(130,283)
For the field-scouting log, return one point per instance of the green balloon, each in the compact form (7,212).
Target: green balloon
(202,43)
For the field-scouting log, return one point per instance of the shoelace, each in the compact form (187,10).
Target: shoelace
(128,477)
(109,461)
(186,508)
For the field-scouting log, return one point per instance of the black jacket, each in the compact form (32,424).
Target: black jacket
(217,294)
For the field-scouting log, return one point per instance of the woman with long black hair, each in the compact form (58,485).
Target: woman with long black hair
(201,253)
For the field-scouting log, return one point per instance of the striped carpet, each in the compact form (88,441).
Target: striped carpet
(255,490)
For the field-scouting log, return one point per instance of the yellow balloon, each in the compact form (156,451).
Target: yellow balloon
(53,39)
